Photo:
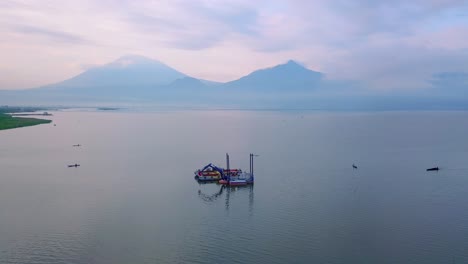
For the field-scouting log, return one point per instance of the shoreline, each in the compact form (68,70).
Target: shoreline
(9,122)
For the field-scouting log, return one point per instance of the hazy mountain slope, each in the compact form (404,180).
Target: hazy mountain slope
(129,72)
(282,78)
(187,83)
(136,79)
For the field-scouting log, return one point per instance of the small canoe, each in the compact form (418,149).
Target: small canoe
(433,169)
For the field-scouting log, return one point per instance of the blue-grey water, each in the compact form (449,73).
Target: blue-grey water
(134,199)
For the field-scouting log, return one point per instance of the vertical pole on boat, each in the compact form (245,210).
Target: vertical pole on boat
(252,166)
(250,163)
(228,172)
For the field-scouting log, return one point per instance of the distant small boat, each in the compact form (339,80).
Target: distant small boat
(433,169)
(354,166)
(73,165)
(77,145)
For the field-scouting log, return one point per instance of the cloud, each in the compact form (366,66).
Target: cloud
(450,83)
(236,17)
(342,24)
(384,45)
(192,25)
(58,36)
(387,62)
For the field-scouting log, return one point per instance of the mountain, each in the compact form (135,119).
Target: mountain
(133,78)
(287,77)
(136,79)
(129,73)
(187,83)
(139,79)
(186,89)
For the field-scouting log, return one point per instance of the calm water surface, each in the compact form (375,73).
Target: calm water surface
(134,200)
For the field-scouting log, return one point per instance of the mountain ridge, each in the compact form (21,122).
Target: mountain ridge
(134,78)
(129,70)
(289,75)
(139,77)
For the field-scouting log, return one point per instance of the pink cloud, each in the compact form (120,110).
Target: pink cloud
(373,41)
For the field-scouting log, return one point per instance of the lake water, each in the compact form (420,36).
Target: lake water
(134,199)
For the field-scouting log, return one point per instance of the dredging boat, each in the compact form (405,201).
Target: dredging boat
(214,173)
(228,176)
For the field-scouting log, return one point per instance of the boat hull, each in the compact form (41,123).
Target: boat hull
(207,178)
(238,182)
(223,182)
(241,179)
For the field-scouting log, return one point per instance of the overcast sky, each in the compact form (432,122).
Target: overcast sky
(395,44)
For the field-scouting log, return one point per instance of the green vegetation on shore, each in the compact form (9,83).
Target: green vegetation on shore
(8,122)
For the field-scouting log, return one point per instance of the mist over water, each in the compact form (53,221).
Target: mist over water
(134,199)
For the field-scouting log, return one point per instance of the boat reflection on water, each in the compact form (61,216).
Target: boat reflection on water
(229,181)
(227,191)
